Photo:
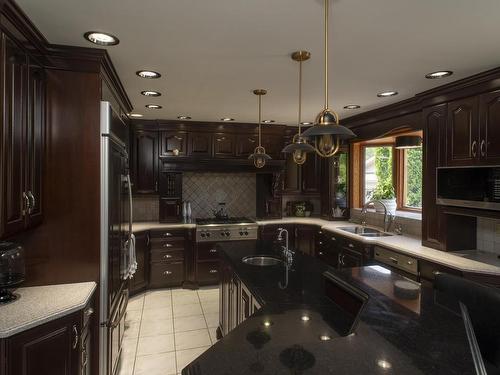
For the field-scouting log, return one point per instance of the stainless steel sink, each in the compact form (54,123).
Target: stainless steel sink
(365,232)
(261,260)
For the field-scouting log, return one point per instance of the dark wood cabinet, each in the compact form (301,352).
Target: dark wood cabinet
(170,210)
(489,128)
(200,145)
(302,179)
(173,143)
(269,233)
(144,162)
(207,263)
(21,140)
(305,238)
(273,144)
(170,189)
(167,257)
(141,277)
(342,252)
(224,145)
(245,144)
(433,221)
(463,131)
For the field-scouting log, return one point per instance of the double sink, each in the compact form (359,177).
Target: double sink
(268,260)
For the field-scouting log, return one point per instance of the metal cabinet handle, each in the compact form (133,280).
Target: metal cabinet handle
(213,250)
(89,311)
(320,253)
(393,260)
(148,240)
(213,271)
(166,273)
(167,234)
(167,256)
(334,239)
(482,148)
(156,185)
(474,148)
(351,245)
(26,209)
(76,337)
(32,200)
(168,245)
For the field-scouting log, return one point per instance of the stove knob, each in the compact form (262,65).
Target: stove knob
(202,234)
(228,233)
(246,233)
(208,234)
(241,233)
(222,233)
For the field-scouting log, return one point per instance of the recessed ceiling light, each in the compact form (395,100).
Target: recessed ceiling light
(184,117)
(268,121)
(439,74)
(325,338)
(227,119)
(151,93)
(153,106)
(136,115)
(306,123)
(102,39)
(385,94)
(148,74)
(352,106)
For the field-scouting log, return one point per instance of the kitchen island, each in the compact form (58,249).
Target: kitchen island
(352,323)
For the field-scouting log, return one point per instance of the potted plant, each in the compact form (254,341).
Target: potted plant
(384,192)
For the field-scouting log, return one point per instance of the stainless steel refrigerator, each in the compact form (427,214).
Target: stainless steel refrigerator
(117,241)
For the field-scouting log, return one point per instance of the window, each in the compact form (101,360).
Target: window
(378,179)
(412,180)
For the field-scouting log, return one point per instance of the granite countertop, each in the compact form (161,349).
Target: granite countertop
(390,335)
(405,244)
(41,304)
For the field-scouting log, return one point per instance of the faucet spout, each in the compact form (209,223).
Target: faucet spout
(388,216)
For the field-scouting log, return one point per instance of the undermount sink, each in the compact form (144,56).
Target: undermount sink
(261,260)
(365,232)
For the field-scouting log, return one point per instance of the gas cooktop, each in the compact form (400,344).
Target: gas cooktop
(225,221)
(227,229)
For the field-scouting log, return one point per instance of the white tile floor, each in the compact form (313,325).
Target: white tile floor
(167,329)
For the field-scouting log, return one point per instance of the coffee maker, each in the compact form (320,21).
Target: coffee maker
(12,271)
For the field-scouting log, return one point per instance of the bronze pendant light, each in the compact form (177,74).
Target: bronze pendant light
(259,155)
(327,133)
(299,146)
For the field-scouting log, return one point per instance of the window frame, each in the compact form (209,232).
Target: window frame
(401,185)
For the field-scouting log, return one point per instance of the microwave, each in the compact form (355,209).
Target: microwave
(474,187)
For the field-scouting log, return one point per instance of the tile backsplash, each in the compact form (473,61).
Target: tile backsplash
(145,208)
(488,235)
(205,190)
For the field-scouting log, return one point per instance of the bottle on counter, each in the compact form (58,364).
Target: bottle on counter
(184,210)
(188,210)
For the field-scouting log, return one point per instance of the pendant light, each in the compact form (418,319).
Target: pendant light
(259,155)
(327,133)
(299,146)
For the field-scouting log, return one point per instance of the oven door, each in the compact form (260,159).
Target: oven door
(116,330)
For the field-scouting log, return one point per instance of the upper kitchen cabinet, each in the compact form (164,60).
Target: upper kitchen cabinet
(200,145)
(173,143)
(463,131)
(273,145)
(224,145)
(245,144)
(489,128)
(22,142)
(144,161)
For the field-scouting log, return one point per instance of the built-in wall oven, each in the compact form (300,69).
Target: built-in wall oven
(474,187)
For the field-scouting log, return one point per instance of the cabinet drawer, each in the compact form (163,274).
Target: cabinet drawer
(168,233)
(166,274)
(167,256)
(208,272)
(207,251)
(174,243)
(397,260)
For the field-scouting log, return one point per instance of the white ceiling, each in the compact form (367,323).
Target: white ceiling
(212,53)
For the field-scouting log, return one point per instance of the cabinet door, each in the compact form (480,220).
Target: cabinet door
(489,119)
(305,238)
(224,145)
(273,145)
(140,279)
(170,210)
(35,132)
(234,299)
(310,175)
(52,348)
(200,145)
(173,143)
(145,162)
(350,259)
(13,140)
(245,303)
(463,132)
(245,144)
(434,123)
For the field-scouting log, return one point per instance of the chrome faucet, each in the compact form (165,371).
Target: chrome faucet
(285,252)
(388,216)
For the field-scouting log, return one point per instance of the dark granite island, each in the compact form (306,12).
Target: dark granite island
(389,335)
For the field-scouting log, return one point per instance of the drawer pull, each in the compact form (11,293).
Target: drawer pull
(393,260)
(320,253)
(320,242)
(167,234)
(213,251)
(168,245)
(334,239)
(410,263)
(89,311)
(76,337)
(166,273)
(351,245)
(213,271)
(167,256)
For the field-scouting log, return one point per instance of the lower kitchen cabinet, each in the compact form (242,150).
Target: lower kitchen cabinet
(207,263)
(167,266)
(140,280)
(305,238)
(341,252)
(61,347)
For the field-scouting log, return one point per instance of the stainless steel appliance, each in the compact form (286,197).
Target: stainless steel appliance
(475,187)
(117,241)
(226,229)
(12,269)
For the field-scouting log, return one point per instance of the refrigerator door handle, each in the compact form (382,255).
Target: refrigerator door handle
(129,184)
